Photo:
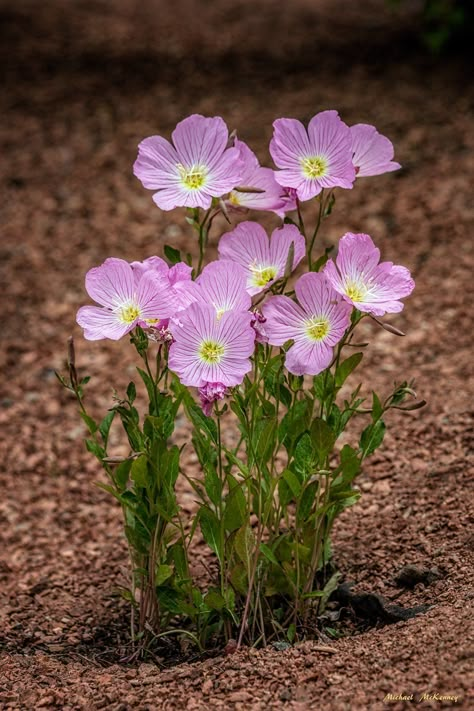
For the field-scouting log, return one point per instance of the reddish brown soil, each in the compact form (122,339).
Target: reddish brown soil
(85,82)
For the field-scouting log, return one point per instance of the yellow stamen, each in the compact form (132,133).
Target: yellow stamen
(193,178)
(211,352)
(262,275)
(314,167)
(129,313)
(317,328)
(356,292)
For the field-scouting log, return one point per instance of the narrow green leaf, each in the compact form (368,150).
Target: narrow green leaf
(210,528)
(322,438)
(90,423)
(131,392)
(172,255)
(163,573)
(244,544)
(214,600)
(139,471)
(372,437)
(104,427)
(345,368)
(122,473)
(269,554)
(235,512)
(293,482)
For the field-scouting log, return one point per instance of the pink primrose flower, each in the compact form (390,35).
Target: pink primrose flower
(364,281)
(313,159)
(263,259)
(192,170)
(178,278)
(372,152)
(125,301)
(316,324)
(209,394)
(222,285)
(274,197)
(211,350)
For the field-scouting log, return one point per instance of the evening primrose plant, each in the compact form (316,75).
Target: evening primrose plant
(259,360)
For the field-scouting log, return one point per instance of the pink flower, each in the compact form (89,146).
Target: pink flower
(178,278)
(211,350)
(316,324)
(264,260)
(195,168)
(253,175)
(222,285)
(209,394)
(364,282)
(125,301)
(258,324)
(314,159)
(372,152)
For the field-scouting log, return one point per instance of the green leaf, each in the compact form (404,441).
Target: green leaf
(323,385)
(293,482)
(214,600)
(104,427)
(212,484)
(131,392)
(95,449)
(179,559)
(306,502)
(294,423)
(163,573)
(377,409)
(235,512)
(304,457)
(90,423)
(122,473)
(172,255)
(350,463)
(321,261)
(265,439)
(268,553)
(244,544)
(345,368)
(206,424)
(322,438)
(211,532)
(139,471)
(239,579)
(372,437)
(291,633)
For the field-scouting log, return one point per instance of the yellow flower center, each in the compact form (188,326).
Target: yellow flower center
(129,313)
(314,167)
(356,291)
(234,199)
(262,275)
(192,178)
(211,352)
(317,328)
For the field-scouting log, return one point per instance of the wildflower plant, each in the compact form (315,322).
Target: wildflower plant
(259,359)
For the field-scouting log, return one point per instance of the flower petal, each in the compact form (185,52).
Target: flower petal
(284,319)
(101,323)
(111,284)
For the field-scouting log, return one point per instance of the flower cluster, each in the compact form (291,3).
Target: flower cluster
(211,319)
(210,323)
(204,163)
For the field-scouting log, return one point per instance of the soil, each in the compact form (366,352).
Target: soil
(84,83)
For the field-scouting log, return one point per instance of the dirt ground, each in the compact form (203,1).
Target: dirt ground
(85,81)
